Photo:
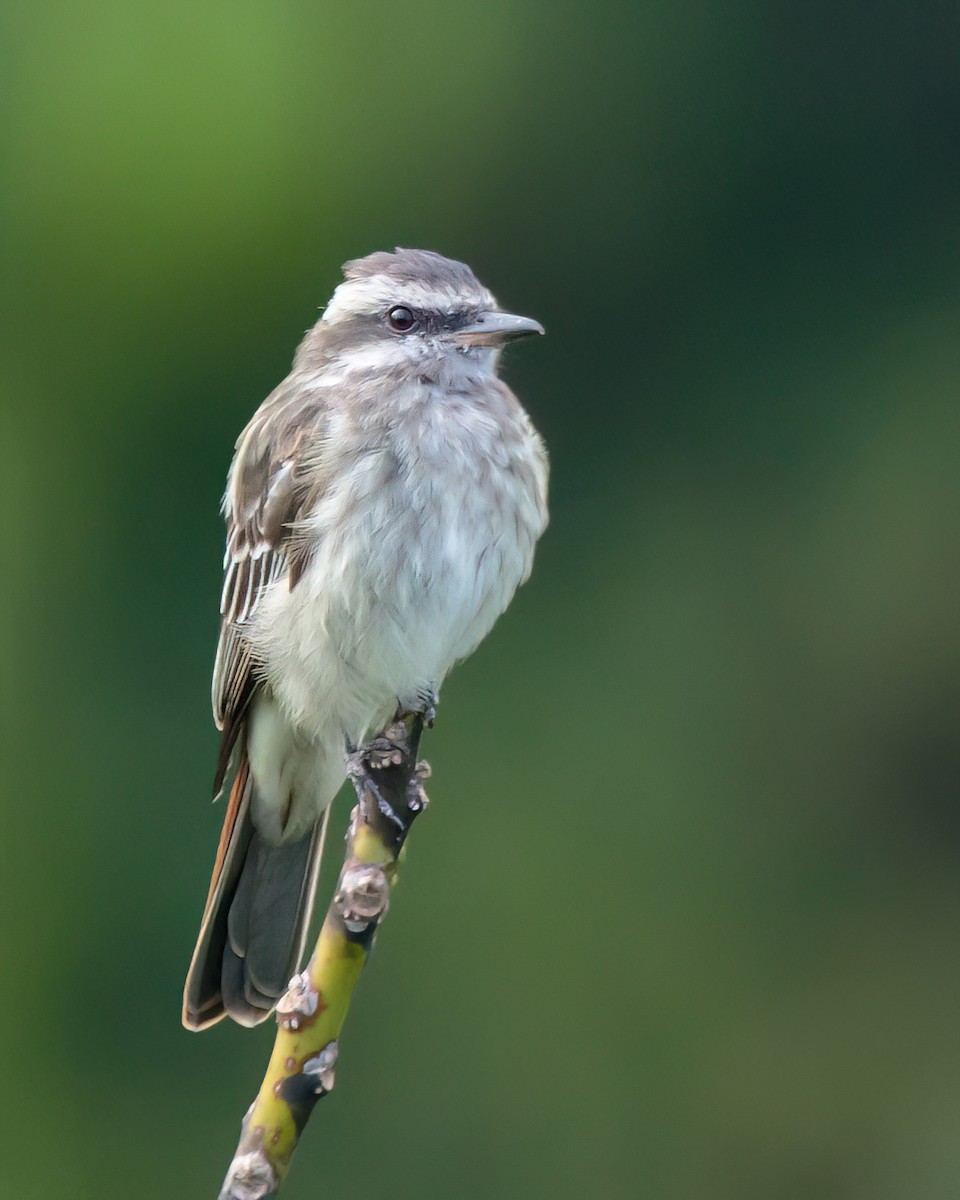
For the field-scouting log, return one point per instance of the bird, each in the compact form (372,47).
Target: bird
(382,507)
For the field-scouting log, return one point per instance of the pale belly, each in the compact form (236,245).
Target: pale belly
(414,555)
(390,601)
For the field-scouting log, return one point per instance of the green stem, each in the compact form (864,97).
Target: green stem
(311,1014)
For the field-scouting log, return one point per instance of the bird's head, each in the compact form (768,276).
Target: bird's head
(414,307)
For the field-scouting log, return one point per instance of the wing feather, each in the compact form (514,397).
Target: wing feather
(272,482)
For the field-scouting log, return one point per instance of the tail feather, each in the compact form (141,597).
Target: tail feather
(256,919)
(261,928)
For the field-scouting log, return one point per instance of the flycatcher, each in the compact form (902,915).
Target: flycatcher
(382,508)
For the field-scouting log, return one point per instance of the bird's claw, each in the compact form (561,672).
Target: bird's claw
(378,755)
(369,790)
(370,769)
(424,707)
(382,753)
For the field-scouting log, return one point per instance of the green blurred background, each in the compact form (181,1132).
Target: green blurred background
(682,921)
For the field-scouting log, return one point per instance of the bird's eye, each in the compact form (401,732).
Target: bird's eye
(402,319)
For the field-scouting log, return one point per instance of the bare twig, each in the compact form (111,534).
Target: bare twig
(389,784)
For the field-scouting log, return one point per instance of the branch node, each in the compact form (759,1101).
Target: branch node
(298,1002)
(363,895)
(322,1065)
(251,1177)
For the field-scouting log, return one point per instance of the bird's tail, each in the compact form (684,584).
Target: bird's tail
(256,917)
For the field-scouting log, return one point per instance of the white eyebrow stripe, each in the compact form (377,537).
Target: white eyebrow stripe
(376,292)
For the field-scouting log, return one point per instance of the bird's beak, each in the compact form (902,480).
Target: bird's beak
(495,328)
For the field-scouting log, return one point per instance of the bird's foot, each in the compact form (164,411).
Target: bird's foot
(370,769)
(381,753)
(383,785)
(368,791)
(424,707)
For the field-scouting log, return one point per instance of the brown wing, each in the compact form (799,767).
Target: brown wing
(270,486)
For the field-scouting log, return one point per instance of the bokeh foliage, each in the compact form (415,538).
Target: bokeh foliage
(683,918)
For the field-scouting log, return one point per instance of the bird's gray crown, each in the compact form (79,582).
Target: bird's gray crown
(414,266)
